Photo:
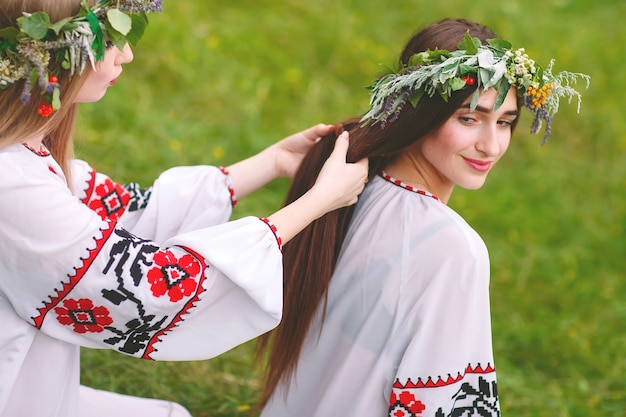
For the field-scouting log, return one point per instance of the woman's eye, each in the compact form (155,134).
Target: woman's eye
(467,119)
(108,44)
(505,122)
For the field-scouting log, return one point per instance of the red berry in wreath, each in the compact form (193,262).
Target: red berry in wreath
(468,80)
(45,110)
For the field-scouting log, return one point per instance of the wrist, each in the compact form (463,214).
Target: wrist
(315,203)
(269,157)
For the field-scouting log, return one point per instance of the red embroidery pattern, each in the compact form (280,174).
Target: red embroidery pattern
(83,315)
(448,381)
(172,276)
(111,200)
(406,186)
(275,231)
(45,152)
(408,403)
(91,184)
(403,402)
(231,190)
(68,285)
(178,318)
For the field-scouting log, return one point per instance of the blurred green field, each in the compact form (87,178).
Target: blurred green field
(213,82)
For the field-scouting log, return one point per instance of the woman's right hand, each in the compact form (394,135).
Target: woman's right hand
(339,183)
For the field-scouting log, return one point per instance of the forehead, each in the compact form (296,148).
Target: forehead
(487,100)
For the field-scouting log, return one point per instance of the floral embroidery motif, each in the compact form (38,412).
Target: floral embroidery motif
(137,197)
(130,259)
(111,200)
(74,279)
(173,276)
(404,405)
(468,400)
(131,256)
(83,315)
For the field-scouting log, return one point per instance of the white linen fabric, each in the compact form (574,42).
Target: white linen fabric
(407,327)
(158,274)
(97,403)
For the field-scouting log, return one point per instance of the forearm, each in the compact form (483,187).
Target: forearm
(292,219)
(253,173)
(281,159)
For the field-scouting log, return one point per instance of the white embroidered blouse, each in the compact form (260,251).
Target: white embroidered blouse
(407,329)
(155,273)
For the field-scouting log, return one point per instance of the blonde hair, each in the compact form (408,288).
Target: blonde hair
(19,121)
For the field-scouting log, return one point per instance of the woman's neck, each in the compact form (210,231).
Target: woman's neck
(35,142)
(418,173)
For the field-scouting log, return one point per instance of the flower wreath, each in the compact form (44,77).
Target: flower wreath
(474,64)
(27,49)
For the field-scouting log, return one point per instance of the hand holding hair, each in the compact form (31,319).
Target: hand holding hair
(338,185)
(340,180)
(289,152)
(281,159)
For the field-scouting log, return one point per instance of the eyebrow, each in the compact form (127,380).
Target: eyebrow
(486,110)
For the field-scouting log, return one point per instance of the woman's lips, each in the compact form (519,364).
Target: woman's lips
(478,165)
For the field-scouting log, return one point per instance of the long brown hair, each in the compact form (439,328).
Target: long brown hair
(20,121)
(309,259)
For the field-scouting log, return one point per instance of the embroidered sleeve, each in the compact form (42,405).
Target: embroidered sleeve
(447,367)
(473,390)
(170,302)
(107,198)
(110,200)
(93,282)
(274,230)
(229,184)
(181,199)
(136,277)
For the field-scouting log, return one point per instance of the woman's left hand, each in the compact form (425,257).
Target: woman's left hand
(281,159)
(289,152)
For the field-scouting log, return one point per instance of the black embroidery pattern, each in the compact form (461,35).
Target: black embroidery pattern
(475,401)
(131,254)
(138,197)
(409,399)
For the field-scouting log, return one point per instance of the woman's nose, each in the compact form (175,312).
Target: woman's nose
(125,55)
(489,143)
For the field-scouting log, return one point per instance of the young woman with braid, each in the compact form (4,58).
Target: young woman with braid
(387,302)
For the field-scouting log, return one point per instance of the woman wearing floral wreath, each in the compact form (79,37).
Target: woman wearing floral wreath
(156,273)
(387,302)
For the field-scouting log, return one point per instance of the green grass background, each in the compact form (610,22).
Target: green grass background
(213,82)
